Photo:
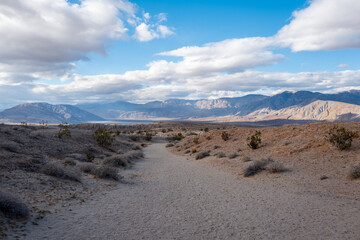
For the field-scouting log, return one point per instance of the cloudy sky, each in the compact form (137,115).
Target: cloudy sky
(72,51)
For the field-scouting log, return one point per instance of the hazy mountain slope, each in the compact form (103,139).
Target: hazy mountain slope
(318,110)
(36,112)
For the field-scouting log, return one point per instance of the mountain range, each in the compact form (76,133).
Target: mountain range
(296,106)
(36,112)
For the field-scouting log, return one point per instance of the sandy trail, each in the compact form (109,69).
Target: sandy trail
(174,198)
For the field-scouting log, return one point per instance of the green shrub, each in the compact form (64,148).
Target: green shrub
(63,131)
(178,137)
(206,129)
(90,156)
(148,136)
(225,136)
(254,140)
(341,137)
(103,137)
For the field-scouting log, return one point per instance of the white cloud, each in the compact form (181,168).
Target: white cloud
(323,25)
(146,31)
(229,55)
(42,39)
(343,65)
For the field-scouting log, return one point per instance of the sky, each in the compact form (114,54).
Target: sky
(76,51)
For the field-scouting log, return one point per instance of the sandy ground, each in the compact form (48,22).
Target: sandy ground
(170,197)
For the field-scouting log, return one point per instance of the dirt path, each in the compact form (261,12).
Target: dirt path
(174,198)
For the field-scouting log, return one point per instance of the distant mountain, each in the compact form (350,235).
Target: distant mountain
(36,112)
(301,106)
(315,111)
(218,108)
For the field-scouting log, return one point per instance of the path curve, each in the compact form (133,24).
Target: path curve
(176,198)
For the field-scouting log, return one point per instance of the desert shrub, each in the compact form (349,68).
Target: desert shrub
(90,156)
(220,155)
(148,136)
(225,136)
(134,138)
(105,172)
(103,137)
(70,161)
(178,137)
(354,172)
(206,129)
(233,155)
(163,130)
(193,150)
(13,207)
(58,170)
(135,147)
(43,124)
(10,146)
(216,147)
(256,167)
(254,140)
(63,131)
(341,137)
(202,155)
(246,159)
(192,134)
(208,138)
(169,145)
(323,177)
(187,151)
(117,161)
(86,167)
(196,140)
(275,167)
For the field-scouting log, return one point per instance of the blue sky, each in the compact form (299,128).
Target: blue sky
(139,51)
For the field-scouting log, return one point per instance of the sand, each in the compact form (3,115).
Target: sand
(171,197)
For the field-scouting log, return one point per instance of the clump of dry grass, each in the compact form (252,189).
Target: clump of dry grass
(233,155)
(275,167)
(202,155)
(216,147)
(256,167)
(58,170)
(13,207)
(354,172)
(246,159)
(169,145)
(106,172)
(220,155)
(123,160)
(86,167)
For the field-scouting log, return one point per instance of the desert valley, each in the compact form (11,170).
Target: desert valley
(179,120)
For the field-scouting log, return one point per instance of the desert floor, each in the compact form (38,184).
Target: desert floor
(174,197)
